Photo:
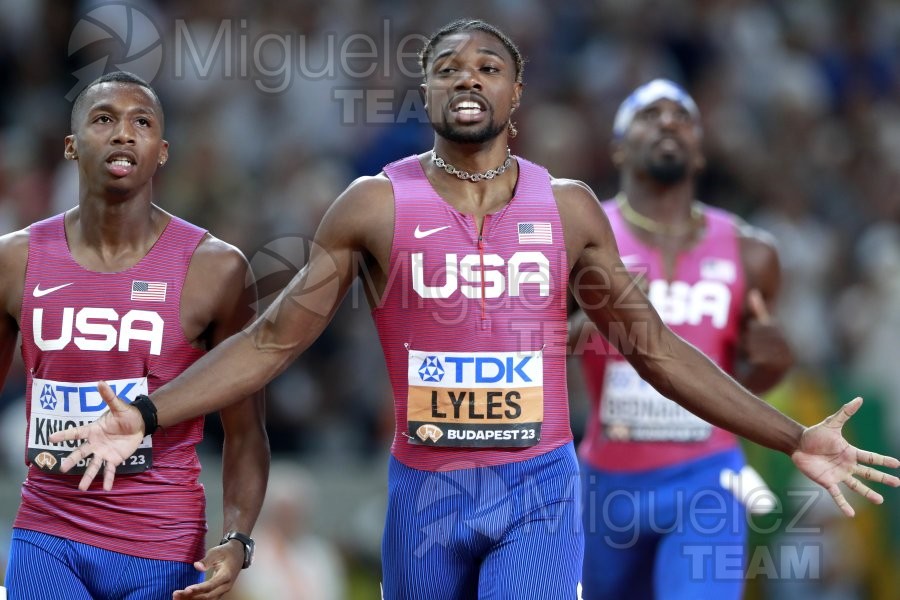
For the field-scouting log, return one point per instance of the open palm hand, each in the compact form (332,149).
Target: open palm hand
(828,459)
(109,440)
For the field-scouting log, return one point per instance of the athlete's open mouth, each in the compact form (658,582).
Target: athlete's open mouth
(121,163)
(121,158)
(468,104)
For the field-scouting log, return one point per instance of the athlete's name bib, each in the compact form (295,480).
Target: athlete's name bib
(475,399)
(58,405)
(631,410)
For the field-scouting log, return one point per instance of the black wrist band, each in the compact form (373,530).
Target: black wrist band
(148,413)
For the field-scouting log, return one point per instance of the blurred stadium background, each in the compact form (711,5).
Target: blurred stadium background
(801,112)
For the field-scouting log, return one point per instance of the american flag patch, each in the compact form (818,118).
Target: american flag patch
(718,269)
(535,233)
(148,291)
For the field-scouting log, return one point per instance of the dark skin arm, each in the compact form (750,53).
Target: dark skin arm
(220,304)
(580,328)
(764,355)
(8,333)
(13,259)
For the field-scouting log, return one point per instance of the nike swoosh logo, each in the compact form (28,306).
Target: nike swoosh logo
(38,292)
(424,234)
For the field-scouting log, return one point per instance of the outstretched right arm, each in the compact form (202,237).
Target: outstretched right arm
(248,360)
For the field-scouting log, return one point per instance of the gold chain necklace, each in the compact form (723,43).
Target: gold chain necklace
(654,226)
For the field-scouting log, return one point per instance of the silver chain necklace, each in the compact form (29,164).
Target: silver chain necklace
(474,177)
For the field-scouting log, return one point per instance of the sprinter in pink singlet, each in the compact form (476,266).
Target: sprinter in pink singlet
(119,289)
(646,460)
(467,251)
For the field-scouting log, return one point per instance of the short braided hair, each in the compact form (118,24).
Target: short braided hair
(471,25)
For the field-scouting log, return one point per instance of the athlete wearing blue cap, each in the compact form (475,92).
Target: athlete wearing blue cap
(649,93)
(663,515)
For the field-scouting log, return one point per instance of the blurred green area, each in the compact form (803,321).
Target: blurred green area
(869,542)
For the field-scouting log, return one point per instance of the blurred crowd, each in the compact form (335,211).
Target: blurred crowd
(800,104)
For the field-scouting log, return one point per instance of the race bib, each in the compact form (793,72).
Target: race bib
(475,399)
(57,405)
(631,410)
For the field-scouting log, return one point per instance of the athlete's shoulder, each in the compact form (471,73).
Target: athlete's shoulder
(584,222)
(572,189)
(364,198)
(359,218)
(210,255)
(218,256)
(16,241)
(14,250)
(576,200)
(218,285)
(370,188)
(14,245)
(752,234)
(758,248)
(13,262)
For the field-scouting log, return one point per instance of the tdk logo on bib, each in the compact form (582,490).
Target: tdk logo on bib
(431,369)
(82,398)
(487,369)
(48,398)
(502,368)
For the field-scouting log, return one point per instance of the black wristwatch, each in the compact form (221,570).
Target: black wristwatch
(246,540)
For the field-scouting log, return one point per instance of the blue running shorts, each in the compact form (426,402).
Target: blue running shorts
(502,532)
(46,567)
(672,533)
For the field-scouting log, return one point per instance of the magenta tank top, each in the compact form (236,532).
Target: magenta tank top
(473,327)
(632,427)
(78,327)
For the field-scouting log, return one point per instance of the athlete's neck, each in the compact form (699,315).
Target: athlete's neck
(667,204)
(113,235)
(473,158)
(476,198)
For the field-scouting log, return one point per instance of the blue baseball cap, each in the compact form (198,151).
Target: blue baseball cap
(646,95)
